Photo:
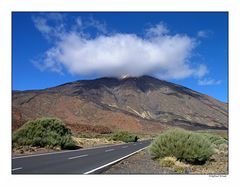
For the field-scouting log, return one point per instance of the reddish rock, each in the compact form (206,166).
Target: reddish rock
(142,105)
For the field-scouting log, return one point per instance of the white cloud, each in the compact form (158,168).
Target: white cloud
(204,33)
(79,22)
(49,61)
(91,22)
(201,71)
(51,31)
(157,30)
(205,81)
(41,25)
(52,26)
(160,54)
(54,16)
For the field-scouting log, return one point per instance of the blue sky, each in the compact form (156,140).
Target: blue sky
(189,49)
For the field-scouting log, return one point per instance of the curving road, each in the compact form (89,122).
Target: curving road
(82,161)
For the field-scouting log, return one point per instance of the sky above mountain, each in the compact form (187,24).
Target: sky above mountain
(189,49)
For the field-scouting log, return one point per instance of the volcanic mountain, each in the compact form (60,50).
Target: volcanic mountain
(142,105)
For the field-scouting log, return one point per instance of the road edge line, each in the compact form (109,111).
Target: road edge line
(115,161)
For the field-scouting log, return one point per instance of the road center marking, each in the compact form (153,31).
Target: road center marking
(124,147)
(19,168)
(81,156)
(109,150)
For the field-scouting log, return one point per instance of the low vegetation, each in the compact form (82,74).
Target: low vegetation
(168,161)
(45,132)
(215,139)
(183,151)
(218,133)
(172,162)
(184,145)
(164,147)
(91,139)
(125,137)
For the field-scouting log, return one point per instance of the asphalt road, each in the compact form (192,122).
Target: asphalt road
(81,161)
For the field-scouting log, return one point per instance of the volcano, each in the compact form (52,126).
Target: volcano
(135,104)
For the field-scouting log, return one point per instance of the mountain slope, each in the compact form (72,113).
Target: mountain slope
(143,104)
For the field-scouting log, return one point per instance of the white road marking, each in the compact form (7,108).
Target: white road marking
(124,147)
(19,168)
(74,157)
(66,151)
(93,170)
(109,150)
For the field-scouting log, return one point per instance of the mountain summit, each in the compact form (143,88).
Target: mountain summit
(144,104)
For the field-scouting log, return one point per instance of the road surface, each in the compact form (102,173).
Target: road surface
(81,161)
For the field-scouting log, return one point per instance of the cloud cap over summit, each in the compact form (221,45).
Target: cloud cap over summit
(156,52)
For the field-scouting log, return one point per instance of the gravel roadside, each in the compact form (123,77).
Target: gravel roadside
(140,163)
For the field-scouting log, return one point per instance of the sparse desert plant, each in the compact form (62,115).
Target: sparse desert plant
(44,132)
(125,137)
(184,145)
(172,162)
(223,147)
(222,150)
(180,167)
(168,161)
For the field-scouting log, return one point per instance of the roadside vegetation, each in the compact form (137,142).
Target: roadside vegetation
(93,139)
(45,132)
(125,137)
(196,152)
(49,134)
(115,136)
(172,162)
(185,146)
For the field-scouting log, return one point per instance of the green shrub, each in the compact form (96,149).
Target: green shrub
(215,139)
(187,146)
(67,143)
(125,137)
(45,132)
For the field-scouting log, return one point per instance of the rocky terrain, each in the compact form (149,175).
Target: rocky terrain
(140,105)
